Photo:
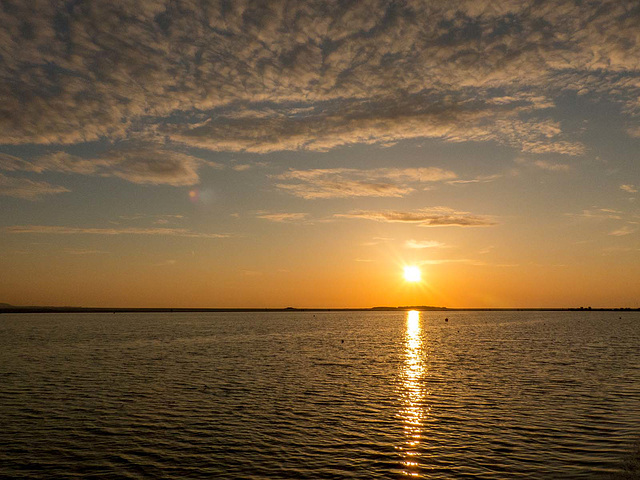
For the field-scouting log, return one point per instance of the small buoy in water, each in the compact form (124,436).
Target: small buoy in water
(342,341)
(446,319)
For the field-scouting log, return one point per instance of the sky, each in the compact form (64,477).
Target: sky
(301,153)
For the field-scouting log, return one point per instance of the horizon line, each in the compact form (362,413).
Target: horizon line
(9,308)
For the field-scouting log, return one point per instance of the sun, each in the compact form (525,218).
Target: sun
(412,273)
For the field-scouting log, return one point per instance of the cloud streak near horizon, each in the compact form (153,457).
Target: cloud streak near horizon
(351,182)
(425,217)
(63,230)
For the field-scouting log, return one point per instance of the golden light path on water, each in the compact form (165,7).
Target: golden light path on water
(413,393)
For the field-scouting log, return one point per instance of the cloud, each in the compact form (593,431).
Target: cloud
(65,163)
(9,163)
(419,244)
(477,263)
(600,213)
(441,261)
(376,241)
(62,230)
(609,214)
(157,167)
(86,252)
(552,166)
(626,230)
(157,219)
(328,189)
(350,182)
(544,164)
(283,217)
(486,250)
(478,179)
(143,165)
(426,217)
(241,167)
(309,74)
(166,263)
(629,188)
(27,189)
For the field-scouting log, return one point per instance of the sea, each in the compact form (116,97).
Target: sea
(320,395)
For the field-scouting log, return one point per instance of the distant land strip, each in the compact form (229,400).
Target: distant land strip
(7,308)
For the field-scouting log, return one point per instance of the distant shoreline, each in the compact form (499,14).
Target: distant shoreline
(45,309)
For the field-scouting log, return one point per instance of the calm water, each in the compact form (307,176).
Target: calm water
(324,395)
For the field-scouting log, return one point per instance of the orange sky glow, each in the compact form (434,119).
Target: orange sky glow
(303,153)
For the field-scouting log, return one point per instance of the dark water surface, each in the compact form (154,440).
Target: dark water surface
(319,395)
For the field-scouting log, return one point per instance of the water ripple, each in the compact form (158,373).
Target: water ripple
(327,395)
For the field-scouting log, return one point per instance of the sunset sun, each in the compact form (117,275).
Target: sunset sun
(412,273)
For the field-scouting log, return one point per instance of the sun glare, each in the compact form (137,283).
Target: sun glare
(412,274)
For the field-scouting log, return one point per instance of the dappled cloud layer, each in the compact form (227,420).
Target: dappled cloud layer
(287,75)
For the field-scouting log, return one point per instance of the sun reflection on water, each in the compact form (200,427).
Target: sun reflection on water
(412,393)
